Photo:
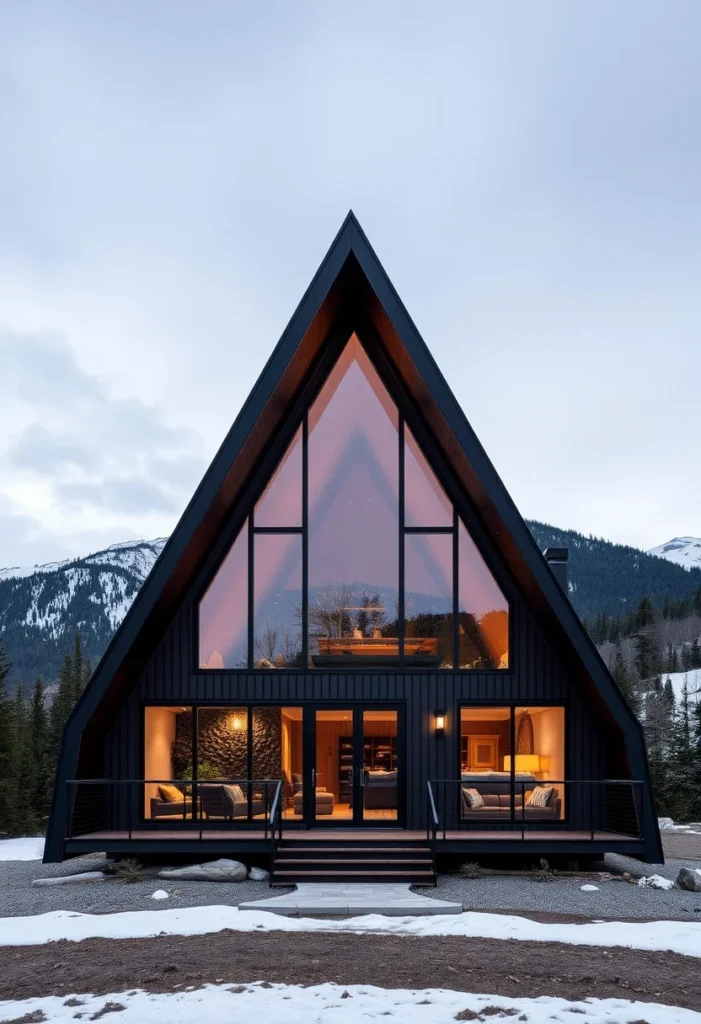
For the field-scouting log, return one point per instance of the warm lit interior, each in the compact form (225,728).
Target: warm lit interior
(530,778)
(355,440)
(265,745)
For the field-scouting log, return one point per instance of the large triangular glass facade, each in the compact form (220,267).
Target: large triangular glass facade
(366,523)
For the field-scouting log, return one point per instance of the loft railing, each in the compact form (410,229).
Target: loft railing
(127,807)
(275,828)
(588,806)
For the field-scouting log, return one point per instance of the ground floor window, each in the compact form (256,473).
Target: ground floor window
(512,763)
(219,763)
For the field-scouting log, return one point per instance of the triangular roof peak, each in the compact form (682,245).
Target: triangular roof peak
(350,291)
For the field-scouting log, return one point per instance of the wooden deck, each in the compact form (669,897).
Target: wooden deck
(375,835)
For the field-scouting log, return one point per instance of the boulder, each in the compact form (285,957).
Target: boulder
(83,876)
(258,874)
(689,880)
(159,894)
(655,882)
(222,870)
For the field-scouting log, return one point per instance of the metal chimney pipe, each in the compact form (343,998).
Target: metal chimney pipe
(557,560)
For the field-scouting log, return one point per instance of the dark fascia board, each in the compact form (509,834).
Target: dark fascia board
(433,396)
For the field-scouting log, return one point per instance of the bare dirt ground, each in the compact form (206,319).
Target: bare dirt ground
(499,967)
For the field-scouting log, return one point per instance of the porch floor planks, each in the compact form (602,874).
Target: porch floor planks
(365,835)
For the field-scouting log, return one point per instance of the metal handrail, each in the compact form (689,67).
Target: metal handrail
(275,812)
(433,824)
(191,812)
(591,815)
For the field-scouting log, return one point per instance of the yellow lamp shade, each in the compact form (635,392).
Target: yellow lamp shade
(524,763)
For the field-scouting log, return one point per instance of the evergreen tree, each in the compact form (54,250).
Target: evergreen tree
(8,750)
(646,657)
(697,602)
(681,766)
(24,779)
(696,654)
(38,739)
(72,678)
(625,682)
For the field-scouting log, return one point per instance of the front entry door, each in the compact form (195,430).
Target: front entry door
(355,771)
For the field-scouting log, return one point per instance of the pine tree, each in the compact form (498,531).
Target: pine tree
(646,656)
(38,741)
(681,765)
(72,678)
(696,654)
(625,682)
(24,780)
(8,750)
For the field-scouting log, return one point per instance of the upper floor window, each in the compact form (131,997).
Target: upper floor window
(392,575)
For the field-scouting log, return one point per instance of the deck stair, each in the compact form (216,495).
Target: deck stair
(354,860)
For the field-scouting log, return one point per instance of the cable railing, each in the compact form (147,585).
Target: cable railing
(275,828)
(126,808)
(592,807)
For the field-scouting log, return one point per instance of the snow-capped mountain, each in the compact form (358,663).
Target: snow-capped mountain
(684,551)
(42,606)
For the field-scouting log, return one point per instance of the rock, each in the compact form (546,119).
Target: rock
(222,870)
(590,888)
(159,894)
(689,880)
(665,824)
(83,876)
(655,882)
(258,874)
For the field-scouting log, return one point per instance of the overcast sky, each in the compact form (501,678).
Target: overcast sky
(171,175)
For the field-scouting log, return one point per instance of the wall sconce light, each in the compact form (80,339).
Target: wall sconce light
(439,722)
(237,723)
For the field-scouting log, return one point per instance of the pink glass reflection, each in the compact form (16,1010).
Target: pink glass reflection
(281,502)
(223,611)
(425,501)
(428,598)
(483,617)
(277,600)
(353,512)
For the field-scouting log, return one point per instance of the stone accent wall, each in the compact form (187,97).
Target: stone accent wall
(223,749)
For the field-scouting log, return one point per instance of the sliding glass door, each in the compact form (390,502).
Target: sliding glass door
(354,767)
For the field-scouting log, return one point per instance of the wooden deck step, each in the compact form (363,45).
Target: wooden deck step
(306,875)
(350,860)
(323,848)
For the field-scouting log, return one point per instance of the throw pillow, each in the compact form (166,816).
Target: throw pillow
(235,793)
(170,794)
(539,796)
(473,798)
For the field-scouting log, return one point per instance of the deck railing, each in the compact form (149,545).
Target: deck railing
(129,806)
(590,806)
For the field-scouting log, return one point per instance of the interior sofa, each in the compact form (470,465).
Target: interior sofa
(495,790)
(380,791)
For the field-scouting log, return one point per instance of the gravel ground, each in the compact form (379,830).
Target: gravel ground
(614,899)
(18,897)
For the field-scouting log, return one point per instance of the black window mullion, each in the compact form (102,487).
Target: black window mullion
(429,529)
(456,598)
(400,602)
(249,759)
(305,542)
(512,730)
(250,592)
(278,529)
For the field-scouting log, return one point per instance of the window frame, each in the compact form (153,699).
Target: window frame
(512,703)
(437,463)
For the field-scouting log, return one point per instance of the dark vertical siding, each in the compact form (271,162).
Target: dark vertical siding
(536,676)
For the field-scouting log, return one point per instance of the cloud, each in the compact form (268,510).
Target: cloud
(87,457)
(133,497)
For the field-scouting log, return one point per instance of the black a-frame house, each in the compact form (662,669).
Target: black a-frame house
(352,638)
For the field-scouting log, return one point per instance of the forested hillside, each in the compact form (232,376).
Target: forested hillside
(613,578)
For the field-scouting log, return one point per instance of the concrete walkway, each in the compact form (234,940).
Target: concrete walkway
(329,900)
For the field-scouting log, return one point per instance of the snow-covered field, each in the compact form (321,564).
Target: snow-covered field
(693,682)
(25,848)
(677,936)
(334,1004)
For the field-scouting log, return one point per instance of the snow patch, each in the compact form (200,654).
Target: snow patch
(24,848)
(221,1004)
(655,882)
(682,937)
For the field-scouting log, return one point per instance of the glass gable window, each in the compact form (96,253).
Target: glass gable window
(393,576)
(353,515)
